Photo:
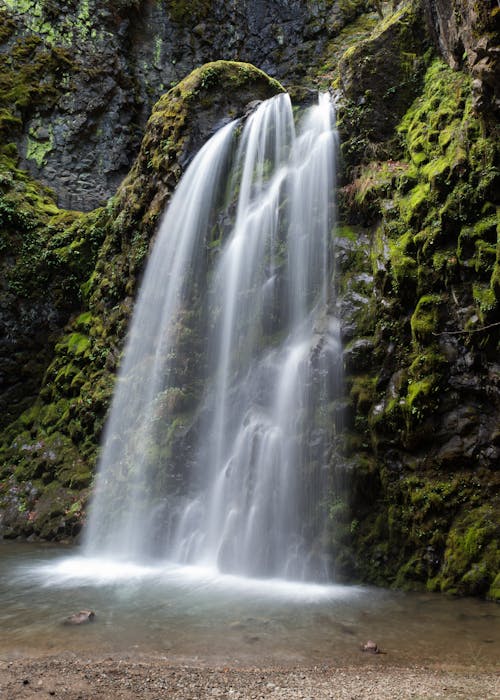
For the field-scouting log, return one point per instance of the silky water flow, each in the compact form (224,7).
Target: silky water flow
(216,451)
(216,474)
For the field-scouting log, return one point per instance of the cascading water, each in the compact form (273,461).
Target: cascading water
(231,341)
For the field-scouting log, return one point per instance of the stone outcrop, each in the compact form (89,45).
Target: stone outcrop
(122,56)
(467,33)
(49,453)
(379,78)
(417,247)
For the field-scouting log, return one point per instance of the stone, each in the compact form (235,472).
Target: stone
(466,32)
(358,355)
(80,618)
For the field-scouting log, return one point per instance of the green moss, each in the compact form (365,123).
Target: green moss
(472,554)
(343,231)
(484,297)
(428,362)
(403,265)
(414,206)
(484,258)
(362,392)
(425,319)
(484,230)
(37,150)
(418,398)
(439,129)
(494,590)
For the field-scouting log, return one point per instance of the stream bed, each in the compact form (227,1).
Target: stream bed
(192,614)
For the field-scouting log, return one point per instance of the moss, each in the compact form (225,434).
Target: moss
(403,266)
(414,206)
(419,398)
(101,255)
(37,150)
(482,230)
(414,526)
(74,344)
(486,302)
(471,559)
(362,393)
(425,319)
(386,417)
(494,590)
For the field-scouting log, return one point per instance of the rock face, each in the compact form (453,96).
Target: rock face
(425,403)
(54,443)
(417,250)
(380,77)
(467,33)
(121,56)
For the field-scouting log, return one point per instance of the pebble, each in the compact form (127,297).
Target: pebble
(151,679)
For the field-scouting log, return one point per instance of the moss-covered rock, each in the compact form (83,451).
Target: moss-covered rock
(472,554)
(379,78)
(414,499)
(429,405)
(93,262)
(467,33)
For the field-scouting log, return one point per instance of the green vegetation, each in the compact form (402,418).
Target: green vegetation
(91,264)
(434,258)
(419,256)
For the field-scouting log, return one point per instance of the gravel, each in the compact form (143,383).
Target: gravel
(154,678)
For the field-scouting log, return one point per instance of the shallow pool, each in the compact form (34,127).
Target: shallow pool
(196,614)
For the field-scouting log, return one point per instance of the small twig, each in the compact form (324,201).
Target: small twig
(475,330)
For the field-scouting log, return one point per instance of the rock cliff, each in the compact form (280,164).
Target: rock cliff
(417,246)
(115,59)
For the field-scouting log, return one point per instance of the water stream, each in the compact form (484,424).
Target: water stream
(231,339)
(206,540)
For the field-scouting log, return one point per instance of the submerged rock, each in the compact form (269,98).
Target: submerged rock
(371,647)
(80,618)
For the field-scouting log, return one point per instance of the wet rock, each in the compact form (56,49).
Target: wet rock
(80,618)
(386,53)
(358,355)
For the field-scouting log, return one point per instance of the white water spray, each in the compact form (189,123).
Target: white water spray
(231,342)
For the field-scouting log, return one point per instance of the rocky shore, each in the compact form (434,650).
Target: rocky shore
(150,678)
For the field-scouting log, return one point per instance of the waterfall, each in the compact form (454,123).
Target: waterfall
(216,451)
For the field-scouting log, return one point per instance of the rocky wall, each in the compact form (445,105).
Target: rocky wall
(121,56)
(48,454)
(421,320)
(417,248)
(467,34)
